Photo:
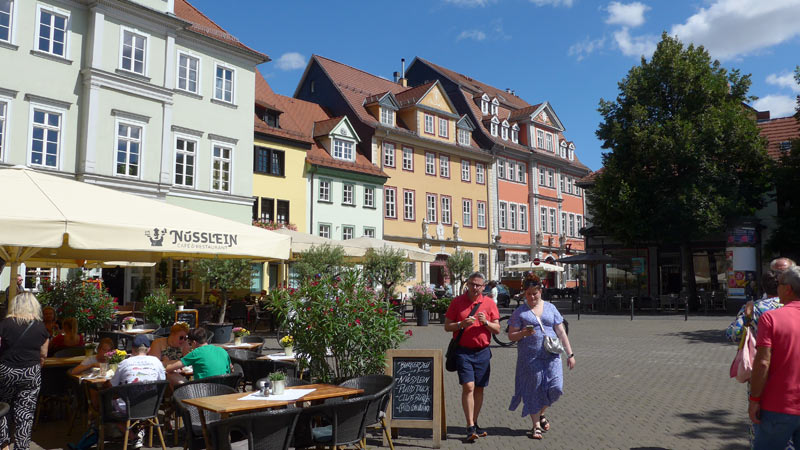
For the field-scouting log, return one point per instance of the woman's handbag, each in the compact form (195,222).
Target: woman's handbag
(742,366)
(551,344)
(450,362)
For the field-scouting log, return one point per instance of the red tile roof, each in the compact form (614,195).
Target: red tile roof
(779,130)
(588,180)
(324,127)
(203,25)
(413,95)
(318,156)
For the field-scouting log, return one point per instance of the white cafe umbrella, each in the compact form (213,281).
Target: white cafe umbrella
(411,253)
(530,266)
(302,242)
(50,218)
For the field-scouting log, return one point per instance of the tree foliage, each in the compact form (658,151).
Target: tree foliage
(685,155)
(385,266)
(460,266)
(225,275)
(321,259)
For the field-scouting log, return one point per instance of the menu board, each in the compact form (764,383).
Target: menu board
(187,315)
(412,397)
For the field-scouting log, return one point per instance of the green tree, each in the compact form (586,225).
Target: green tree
(785,240)
(321,259)
(225,275)
(460,266)
(385,266)
(685,158)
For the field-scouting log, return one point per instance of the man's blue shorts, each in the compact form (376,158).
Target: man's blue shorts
(473,365)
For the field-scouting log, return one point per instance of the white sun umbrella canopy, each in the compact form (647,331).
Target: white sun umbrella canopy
(531,267)
(46,217)
(411,253)
(302,242)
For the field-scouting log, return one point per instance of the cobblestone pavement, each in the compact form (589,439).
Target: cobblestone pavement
(651,383)
(655,383)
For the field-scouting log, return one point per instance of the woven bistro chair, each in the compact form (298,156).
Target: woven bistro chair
(267,430)
(333,424)
(191,415)
(142,401)
(380,388)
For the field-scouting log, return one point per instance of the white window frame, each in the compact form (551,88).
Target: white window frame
(494,129)
(484,106)
(523,217)
(387,116)
(195,155)
(408,204)
(501,168)
(431,207)
(495,105)
(447,208)
(430,123)
(369,197)
(481,213)
(480,173)
(388,154)
(463,136)
(351,201)
(520,172)
(444,128)
(11,22)
(324,230)
(551,182)
(324,187)
(61,131)
(512,216)
(232,101)
(502,215)
(515,136)
(466,212)
(543,218)
(198,82)
(5,113)
(408,158)
(390,203)
(540,139)
(541,171)
(563,223)
(504,132)
(465,170)
(430,163)
(561,182)
(369,232)
(578,224)
(548,142)
(141,140)
(232,149)
(444,166)
(347,150)
(352,233)
(67,26)
(571,223)
(145,61)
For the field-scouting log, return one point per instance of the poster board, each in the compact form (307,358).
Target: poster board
(187,315)
(418,395)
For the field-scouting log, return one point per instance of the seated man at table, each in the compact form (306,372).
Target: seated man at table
(206,360)
(140,366)
(104,346)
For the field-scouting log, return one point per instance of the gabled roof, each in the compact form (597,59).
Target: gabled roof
(324,127)
(466,123)
(298,116)
(779,130)
(385,99)
(201,24)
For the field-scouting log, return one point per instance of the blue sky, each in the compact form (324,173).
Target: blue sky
(568,52)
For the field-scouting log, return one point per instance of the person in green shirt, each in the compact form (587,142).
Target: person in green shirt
(206,360)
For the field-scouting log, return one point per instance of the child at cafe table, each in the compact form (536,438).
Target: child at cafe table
(206,360)
(68,338)
(104,346)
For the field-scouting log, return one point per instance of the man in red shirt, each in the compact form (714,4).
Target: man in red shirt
(775,383)
(473,354)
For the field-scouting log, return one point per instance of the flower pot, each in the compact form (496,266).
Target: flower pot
(441,317)
(180,307)
(128,326)
(237,340)
(221,332)
(278,386)
(423,317)
(288,350)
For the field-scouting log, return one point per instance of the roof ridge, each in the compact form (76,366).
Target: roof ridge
(209,19)
(354,68)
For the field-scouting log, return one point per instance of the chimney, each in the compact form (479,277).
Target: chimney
(762,115)
(402,81)
(396,76)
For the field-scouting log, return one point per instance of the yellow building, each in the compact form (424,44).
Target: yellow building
(437,193)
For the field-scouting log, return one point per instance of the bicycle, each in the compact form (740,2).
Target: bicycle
(501,338)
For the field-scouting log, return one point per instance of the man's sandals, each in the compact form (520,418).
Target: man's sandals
(536,432)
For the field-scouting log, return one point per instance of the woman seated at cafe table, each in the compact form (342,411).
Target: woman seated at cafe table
(104,346)
(69,336)
(50,321)
(206,360)
(173,347)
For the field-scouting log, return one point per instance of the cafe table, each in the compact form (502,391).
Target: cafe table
(228,404)
(136,331)
(243,345)
(63,362)
(279,357)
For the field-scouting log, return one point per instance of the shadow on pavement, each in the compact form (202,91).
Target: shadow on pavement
(702,336)
(716,423)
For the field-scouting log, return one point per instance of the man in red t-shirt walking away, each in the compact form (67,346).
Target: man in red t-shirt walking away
(473,352)
(775,383)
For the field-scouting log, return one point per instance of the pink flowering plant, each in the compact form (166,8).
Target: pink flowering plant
(92,307)
(343,315)
(129,320)
(422,296)
(240,332)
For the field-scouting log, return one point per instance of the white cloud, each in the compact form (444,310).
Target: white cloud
(730,28)
(635,45)
(629,15)
(777,105)
(291,61)
(586,47)
(476,35)
(785,81)
(470,3)
(567,3)
(497,30)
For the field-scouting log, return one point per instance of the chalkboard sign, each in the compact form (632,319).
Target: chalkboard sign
(418,395)
(187,315)
(412,397)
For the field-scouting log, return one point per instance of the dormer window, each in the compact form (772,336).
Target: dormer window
(515,134)
(504,131)
(343,150)
(495,105)
(495,125)
(494,129)
(387,116)
(463,137)
(271,118)
(563,149)
(571,149)
(485,104)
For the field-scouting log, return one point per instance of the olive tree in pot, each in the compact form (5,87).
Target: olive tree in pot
(460,266)
(226,275)
(386,267)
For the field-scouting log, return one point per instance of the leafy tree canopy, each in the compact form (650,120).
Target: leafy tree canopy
(685,155)
(385,266)
(459,264)
(321,259)
(225,275)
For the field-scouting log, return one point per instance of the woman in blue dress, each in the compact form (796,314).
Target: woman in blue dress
(539,380)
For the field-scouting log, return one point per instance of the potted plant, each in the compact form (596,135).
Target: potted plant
(114,357)
(158,308)
(277,381)
(90,348)
(238,334)
(129,322)
(179,304)
(440,306)
(422,299)
(287,342)
(92,306)
(225,275)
